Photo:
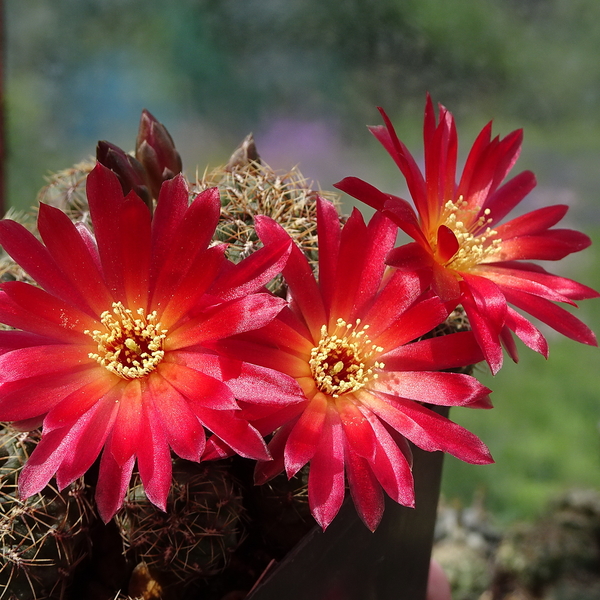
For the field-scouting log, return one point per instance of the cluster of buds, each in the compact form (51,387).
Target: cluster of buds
(155,160)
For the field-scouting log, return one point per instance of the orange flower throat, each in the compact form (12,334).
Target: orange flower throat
(343,361)
(131,345)
(475,243)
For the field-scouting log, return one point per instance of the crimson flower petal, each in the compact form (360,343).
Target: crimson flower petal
(531,223)
(13,340)
(41,360)
(105,196)
(418,320)
(342,287)
(172,263)
(550,245)
(447,244)
(326,477)
(440,154)
(33,309)
(298,275)
(403,158)
(33,397)
(36,260)
(154,459)
(270,418)
(358,432)
(170,212)
(134,223)
(329,235)
(70,408)
(525,270)
(519,280)
(260,386)
(400,291)
(361,267)
(476,153)
(364,489)
(443,352)
(290,332)
(252,273)
(390,466)
(554,316)
(357,188)
(531,336)
(235,431)
(445,284)
(239,375)
(86,447)
(53,449)
(45,460)
(430,431)
(193,286)
(198,387)
(231,318)
(183,431)
(501,202)
(508,342)
(113,481)
(485,329)
(90,243)
(127,431)
(304,438)
(267,469)
(68,249)
(446,389)
(409,257)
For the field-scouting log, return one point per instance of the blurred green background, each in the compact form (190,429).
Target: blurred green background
(305,76)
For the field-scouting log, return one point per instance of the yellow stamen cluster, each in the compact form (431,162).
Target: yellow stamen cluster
(343,361)
(131,345)
(473,247)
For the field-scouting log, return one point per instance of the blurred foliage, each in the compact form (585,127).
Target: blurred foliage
(82,70)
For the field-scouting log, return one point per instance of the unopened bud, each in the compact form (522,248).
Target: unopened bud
(127,168)
(244,155)
(156,151)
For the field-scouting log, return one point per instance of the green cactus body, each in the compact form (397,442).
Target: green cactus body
(197,534)
(43,538)
(66,190)
(248,188)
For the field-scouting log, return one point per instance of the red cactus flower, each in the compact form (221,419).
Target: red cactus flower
(345,340)
(109,352)
(472,258)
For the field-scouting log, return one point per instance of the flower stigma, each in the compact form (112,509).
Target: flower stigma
(474,248)
(131,345)
(343,361)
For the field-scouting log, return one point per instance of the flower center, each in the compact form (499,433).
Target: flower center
(475,243)
(343,361)
(131,345)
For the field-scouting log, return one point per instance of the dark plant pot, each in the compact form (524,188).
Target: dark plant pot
(348,562)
